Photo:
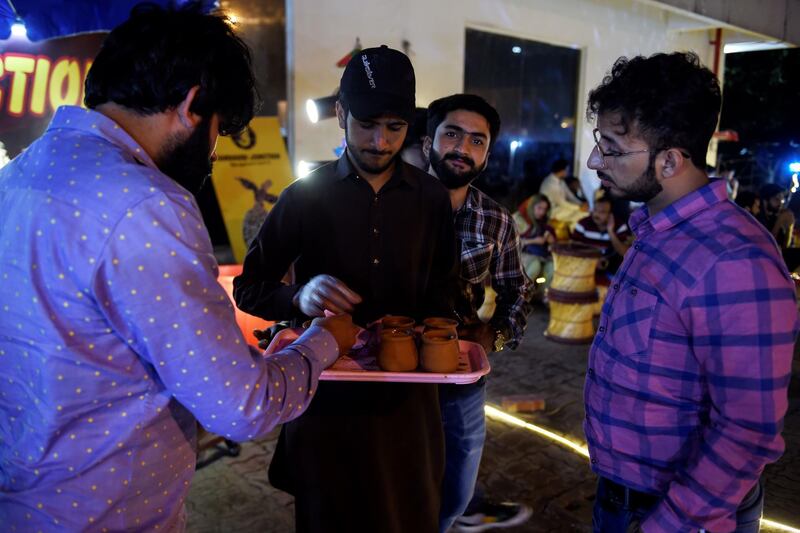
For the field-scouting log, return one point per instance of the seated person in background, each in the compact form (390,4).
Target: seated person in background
(576,189)
(601,231)
(731,183)
(778,220)
(749,201)
(565,206)
(536,236)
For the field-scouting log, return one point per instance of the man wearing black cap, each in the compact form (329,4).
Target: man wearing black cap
(371,235)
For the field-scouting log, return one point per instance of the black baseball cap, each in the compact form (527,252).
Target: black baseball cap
(379,81)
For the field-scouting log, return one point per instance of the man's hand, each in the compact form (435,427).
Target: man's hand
(480,332)
(610,226)
(325,292)
(342,329)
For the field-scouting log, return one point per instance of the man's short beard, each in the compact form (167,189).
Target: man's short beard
(450,178)
(363,165)
(187,160)
(643,189)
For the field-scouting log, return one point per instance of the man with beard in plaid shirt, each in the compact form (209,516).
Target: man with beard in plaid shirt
(686,387)
(460,132)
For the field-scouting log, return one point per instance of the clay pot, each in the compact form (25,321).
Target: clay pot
(398,351)
(439,351)
(402,323)
(437,323)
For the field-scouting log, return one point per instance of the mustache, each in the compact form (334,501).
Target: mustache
(604,176)
(463,158)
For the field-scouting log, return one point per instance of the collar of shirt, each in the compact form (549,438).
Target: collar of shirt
(93,123)
(345,169)
(472,202)
(642,223)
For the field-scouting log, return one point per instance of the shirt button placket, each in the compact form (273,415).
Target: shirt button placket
(375,241)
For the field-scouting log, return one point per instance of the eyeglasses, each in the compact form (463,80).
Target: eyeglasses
(614,153)
(611,153)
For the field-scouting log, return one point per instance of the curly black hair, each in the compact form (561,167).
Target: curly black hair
(150,62)
(670,100)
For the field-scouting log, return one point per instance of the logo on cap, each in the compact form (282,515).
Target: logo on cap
(368,71)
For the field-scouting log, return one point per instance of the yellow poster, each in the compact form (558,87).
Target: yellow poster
(250,172)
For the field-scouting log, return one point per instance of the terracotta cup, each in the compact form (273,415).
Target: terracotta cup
(439,323)
(398,351)
(402,323)
(439,351)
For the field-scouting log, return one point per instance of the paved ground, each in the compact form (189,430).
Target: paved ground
(234,494)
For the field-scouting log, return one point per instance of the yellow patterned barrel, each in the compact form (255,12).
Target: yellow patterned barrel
(574,265)
(561,228)
(571,317)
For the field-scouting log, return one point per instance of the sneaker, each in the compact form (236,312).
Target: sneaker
(489,515)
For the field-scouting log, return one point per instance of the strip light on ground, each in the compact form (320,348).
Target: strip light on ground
(496,414)
(777,525)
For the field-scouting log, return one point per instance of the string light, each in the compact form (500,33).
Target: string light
(496,414)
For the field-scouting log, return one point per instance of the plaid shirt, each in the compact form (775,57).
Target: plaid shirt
(490,254)
(688,373)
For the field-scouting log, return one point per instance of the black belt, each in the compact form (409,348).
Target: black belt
(622,496)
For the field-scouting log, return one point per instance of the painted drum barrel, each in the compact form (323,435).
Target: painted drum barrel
(574,265)
(571,316)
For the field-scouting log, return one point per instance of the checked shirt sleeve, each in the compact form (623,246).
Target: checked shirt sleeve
(511,285)
(743,319)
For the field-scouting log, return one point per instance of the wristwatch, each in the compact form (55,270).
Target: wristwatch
(499,341)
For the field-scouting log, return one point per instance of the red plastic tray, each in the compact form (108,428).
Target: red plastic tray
(472,364)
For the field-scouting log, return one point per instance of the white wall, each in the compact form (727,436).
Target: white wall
(322,31)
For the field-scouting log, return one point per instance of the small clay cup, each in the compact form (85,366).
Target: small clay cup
(439,351)
(439,323)
(400,323)
(398,351)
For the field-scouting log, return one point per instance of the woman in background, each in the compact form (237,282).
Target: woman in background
(536,236)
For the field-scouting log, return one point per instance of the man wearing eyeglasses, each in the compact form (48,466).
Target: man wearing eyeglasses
(686,386)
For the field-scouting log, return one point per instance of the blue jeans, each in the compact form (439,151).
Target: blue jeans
(612,515)
(464,433)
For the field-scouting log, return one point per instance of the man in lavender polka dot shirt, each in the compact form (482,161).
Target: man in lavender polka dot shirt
(115,338)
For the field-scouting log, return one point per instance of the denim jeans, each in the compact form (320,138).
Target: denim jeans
(610,515)
(464,433)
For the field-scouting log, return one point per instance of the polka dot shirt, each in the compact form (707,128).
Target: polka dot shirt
(116,339)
